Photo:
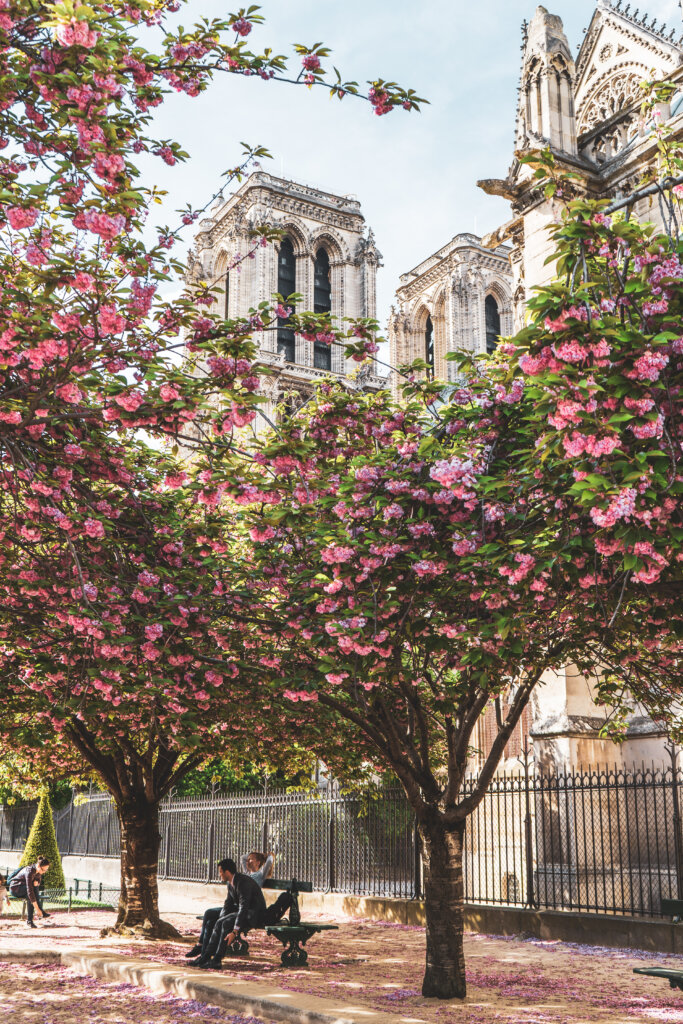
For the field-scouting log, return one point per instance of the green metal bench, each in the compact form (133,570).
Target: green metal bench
(675,977)
(294,933)
(672,908)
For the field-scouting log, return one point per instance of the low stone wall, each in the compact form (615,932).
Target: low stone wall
(593,929)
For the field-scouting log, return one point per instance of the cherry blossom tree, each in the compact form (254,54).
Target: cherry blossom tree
(103,566)
(119,664)
(427,558)
(411,584)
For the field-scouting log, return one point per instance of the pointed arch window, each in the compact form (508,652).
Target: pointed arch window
(492,315)
(286,284)
(322,303)
(429,346)
(227,294)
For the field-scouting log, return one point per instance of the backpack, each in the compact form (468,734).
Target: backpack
(12,876)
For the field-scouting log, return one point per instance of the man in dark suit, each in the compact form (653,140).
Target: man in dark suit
(243,909)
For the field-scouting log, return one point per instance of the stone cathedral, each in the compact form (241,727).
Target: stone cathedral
(327,254)
(586,108)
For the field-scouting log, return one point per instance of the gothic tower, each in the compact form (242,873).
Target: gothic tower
(588,113)
(459,299)
(326,254)
(546,99)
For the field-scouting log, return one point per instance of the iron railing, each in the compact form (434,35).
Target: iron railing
(598,841)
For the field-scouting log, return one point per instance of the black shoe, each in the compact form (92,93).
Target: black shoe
(31,924)
(45,914)
(195,951)
(211,965)
(200,961)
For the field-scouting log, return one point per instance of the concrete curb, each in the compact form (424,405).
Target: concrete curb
(221,990)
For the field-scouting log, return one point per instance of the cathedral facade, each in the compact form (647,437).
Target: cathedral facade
(587,110)
(326,253)
(458,299)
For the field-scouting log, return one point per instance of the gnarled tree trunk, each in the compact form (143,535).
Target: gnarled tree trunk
(140,841)
(444,905)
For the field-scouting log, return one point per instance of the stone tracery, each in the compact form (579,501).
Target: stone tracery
(610,96)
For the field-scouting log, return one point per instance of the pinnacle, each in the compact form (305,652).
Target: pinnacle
(625,11)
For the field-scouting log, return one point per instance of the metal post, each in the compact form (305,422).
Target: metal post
(87,827)
(99,899)
(69,907)
(331,853)
(678,852)
(106,848)
(264,833)
(71,819)
(87,832)
(528,832)
(167,850)
(14,821)
(210,851)
(417,863)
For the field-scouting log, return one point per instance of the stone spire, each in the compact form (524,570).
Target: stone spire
(546,115)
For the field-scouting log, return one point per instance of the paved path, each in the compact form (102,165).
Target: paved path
(367,973)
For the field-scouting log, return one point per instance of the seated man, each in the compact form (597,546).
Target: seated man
(208,921)
(25,884)
(244,909)
(255,864)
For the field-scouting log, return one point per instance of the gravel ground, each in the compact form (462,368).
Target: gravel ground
(367,963)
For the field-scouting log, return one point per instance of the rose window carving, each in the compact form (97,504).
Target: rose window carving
(616,94)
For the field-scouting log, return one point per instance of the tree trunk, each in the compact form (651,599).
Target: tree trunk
(444,905)
(139,900)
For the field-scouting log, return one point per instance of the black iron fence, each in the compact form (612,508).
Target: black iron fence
(594,841)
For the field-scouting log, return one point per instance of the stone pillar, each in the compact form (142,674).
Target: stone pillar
(339,301)
(547,80)
(304,285)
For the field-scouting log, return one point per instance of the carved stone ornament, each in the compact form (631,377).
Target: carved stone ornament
(613,95)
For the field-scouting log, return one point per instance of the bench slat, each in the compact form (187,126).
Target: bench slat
(280,883)
(659,972)
(672,908)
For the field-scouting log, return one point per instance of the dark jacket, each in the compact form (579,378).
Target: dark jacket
(26,878)
(246,899)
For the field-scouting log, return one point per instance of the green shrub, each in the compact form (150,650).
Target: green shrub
(42,842)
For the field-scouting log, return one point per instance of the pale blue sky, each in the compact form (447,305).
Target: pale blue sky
(415,174)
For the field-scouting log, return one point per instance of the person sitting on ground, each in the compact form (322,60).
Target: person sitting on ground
(244,908)
(25,884)
(4,895)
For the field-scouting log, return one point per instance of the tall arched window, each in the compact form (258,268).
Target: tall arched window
(286,284)
(429,346)
(492,323)
(322,303)
(227,294)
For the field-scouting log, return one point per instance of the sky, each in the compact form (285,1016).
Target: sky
(415,174)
